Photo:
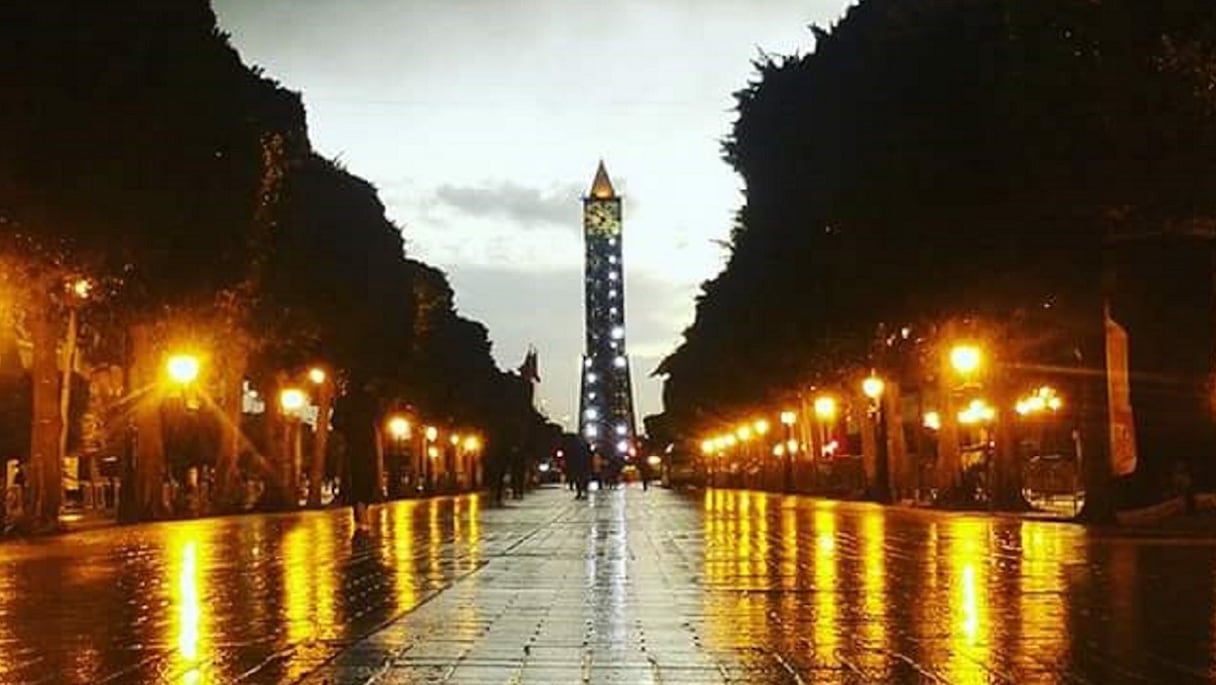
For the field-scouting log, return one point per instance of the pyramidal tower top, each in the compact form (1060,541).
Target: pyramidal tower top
(601,187)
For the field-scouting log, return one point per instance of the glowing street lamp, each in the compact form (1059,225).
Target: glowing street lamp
(182,368)
(825,408)
(292,400)
(455,439)
(472,443)
(760,427)
(978,411)
(707,447)
(744,433)
(317,375)
(873,387)
(399,427)
(81,288)
(966,359)
(1044,399)
(432,433)
(788,417)
(932,420)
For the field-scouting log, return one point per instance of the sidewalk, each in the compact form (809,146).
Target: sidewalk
(590,593)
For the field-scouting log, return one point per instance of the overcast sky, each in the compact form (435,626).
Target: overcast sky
(481,122)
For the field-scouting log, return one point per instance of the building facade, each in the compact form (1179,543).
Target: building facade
(606,417)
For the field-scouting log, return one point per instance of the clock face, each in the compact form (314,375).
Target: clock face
(602,218)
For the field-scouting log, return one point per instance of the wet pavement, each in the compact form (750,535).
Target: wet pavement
(631,587)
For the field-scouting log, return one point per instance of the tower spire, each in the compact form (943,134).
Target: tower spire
(601,187)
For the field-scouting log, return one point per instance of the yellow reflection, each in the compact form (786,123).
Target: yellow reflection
(967,552)
(309,588)
(789,548)
(826,577)
(188,608)
(474,540)
(403,563)
(1042,602)
(186,589)
(873,580)
(434,537)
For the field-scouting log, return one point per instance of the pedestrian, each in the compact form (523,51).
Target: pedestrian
(578,463)
(355,415)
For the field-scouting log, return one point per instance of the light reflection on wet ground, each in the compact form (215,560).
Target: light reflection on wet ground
(720,586)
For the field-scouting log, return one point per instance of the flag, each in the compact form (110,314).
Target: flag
(530,369)
(1118,398)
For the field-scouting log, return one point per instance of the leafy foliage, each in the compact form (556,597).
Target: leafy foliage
(933,159)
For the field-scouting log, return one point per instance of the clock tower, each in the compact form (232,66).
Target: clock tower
(606,399)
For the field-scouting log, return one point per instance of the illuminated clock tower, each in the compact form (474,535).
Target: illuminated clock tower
(606,401)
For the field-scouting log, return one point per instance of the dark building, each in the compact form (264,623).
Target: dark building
(606,399)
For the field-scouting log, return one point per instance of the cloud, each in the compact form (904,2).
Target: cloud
(529,207)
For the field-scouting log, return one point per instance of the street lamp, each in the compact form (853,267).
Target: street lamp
(292,400)
(825,411)
(966,359)
(399,427)
(1042,400)
(317,375)
(825,408)
(182,368)
(788,417)
(872,387)
(431,434)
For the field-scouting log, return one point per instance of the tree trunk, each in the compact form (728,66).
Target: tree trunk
(948,464)
(277,473)
(898,464)
(869,446)
(45,479)
(378,470)
(149,501)
(65,387)
(316,472)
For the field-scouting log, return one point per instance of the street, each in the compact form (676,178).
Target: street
(631,587)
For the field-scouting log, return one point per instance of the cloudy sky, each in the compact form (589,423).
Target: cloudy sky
(481,122)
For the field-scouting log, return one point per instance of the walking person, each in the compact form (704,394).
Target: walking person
(578,463)
(355,415)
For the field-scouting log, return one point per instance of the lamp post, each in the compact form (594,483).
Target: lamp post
(431,435)
(319,377)
(77,292)
(399,432)
(788,417)
(292,401)
(872,387)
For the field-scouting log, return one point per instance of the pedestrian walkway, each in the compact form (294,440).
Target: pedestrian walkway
(592,593)
(628,587)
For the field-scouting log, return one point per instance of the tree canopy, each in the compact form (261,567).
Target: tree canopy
(939,158)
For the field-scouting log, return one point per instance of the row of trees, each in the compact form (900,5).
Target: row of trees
(139,153)
(1021,162)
